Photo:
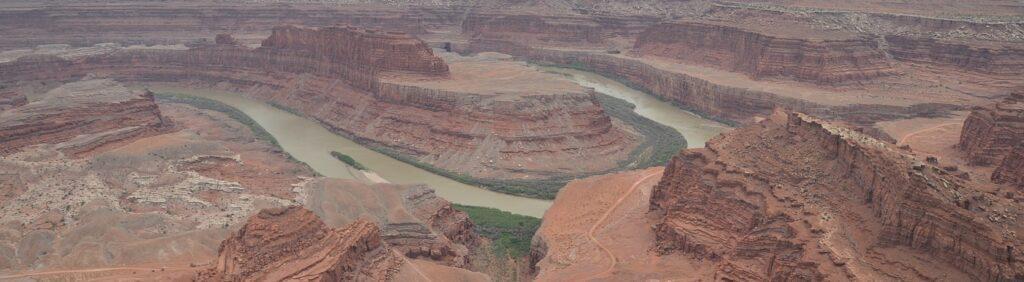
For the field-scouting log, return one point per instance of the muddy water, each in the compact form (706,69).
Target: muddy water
(695,129)
(311,143)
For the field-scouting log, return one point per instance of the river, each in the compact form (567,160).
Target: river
(696,129)
(309,142)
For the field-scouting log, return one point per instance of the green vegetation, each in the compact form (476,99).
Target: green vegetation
(348,160)
(660,141)
(231,112)
(510,233)
(578,65)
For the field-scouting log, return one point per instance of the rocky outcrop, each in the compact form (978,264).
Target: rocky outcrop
(1011,169)
(552,30)
(999,60)
(225,39)
(79,117)
(358,48)
(507,135)
(414,221)
(11,98)
(141,23)
(722,102)
(793,197)
(822,61)
(293,244)
(991,132)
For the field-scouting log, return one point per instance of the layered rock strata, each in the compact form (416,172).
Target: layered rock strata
(356,48)
(596,31)
(80,116)
(822,61)
(1011,169)
(293,244)
(1004,60)
(991,132)
(521,136)
(10,99)
(413,220)
(796,198)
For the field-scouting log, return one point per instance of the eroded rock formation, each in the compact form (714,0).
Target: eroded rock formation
(413,220)
(796,198)
(292,243)
(991,132)
(1011,169)
(1004,60)
(823,61)
(525,135)
(11,98)
(79,117)
(358,48)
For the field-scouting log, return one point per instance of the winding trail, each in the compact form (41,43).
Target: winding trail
(919,131)
(590,234)
(87,270)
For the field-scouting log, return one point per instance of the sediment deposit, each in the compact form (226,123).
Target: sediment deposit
(79,117)
(822,61)
(795,197)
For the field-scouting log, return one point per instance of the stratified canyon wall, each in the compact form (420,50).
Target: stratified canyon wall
(822,61)
(1011,169)
(554,30)
(293,244)
(796,198)
(356,48)
(413,220)
(79,116)
(718,101)
(518,136)
(10,98)
(1005,60)
(990,132)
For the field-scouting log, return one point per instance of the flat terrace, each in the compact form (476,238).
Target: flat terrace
(489,74)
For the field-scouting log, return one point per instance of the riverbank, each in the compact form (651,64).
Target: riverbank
(310,142)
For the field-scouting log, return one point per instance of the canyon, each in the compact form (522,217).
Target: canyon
(515,133)
(548,140)
(789,197)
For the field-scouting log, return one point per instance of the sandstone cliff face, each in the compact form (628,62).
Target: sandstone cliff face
(552,30)
(414,221)
(794,197)
(505,137)
(293,244)
(141,23)
(1006,60)
(1011,169)
(828,61)
(79,117)
(11,98)
(991,132)
(357,48)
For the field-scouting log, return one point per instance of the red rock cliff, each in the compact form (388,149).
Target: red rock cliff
(991,132)
(293,244)
(1004,60)
(81,116)
(507,136)
(795,198)
(1011,169)
(358,48)
(826,61)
